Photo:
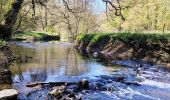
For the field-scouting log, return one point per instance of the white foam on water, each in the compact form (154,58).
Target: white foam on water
(130,93)
(157,84)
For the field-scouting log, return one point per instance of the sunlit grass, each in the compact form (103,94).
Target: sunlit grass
(126,37)
(36,35)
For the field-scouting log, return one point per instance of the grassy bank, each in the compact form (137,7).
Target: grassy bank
(2,43)
(34,36)
(150,47)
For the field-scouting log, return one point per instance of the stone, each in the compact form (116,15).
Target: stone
(71,95)
(108,88)
(58,90)
(96,85)
(72,88)
(140,78)
(103,81)
(118,78)
(138,71)
(105,77)
(78,97)
(8,94)
(132,83)
(95,54)
(109,81)
(84,84)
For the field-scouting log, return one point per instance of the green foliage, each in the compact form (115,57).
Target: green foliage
(139,38)
(100,37)
(34,35)
(143,16)
(5,5)
(2,43)
(50,29)
(84,37)
(93,37)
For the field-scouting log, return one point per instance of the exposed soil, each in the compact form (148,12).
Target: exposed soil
(121,50)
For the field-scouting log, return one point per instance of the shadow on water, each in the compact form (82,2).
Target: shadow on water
(105,60)
(53,62)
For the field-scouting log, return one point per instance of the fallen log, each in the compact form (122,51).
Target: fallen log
(50,83)
(82,84)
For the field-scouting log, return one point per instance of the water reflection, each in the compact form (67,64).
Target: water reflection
(52,61)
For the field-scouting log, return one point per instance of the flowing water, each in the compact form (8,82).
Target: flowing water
(53,62)
(57,61)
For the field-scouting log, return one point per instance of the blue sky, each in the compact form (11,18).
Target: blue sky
(99,6)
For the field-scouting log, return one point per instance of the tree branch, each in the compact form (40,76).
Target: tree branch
(118,9)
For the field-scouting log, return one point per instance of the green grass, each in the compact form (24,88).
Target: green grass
(126,37)
(85,37)
(140,37)
(34,35)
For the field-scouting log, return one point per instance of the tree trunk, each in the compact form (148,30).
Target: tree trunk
(10,20)
(163,30)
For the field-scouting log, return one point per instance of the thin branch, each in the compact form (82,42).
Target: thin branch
(118,10)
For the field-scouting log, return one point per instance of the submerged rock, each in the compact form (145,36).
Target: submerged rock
(84,84)
(108,87)
(140,78)
(8,94)
(115,77)
(96,85)
(95,54)
(131,83)
(72,88)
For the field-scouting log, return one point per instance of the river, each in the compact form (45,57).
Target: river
(58,62)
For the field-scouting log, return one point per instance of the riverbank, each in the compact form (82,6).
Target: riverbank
(153,48)
(34,36)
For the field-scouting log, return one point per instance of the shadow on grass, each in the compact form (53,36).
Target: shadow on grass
(32,36)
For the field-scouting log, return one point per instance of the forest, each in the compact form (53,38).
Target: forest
(84,49)
(69,18)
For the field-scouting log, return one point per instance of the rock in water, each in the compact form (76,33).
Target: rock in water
(57,91)
(8,94)
(72,88)
(95,54)
(140,78)
(84,84)
(132,83)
